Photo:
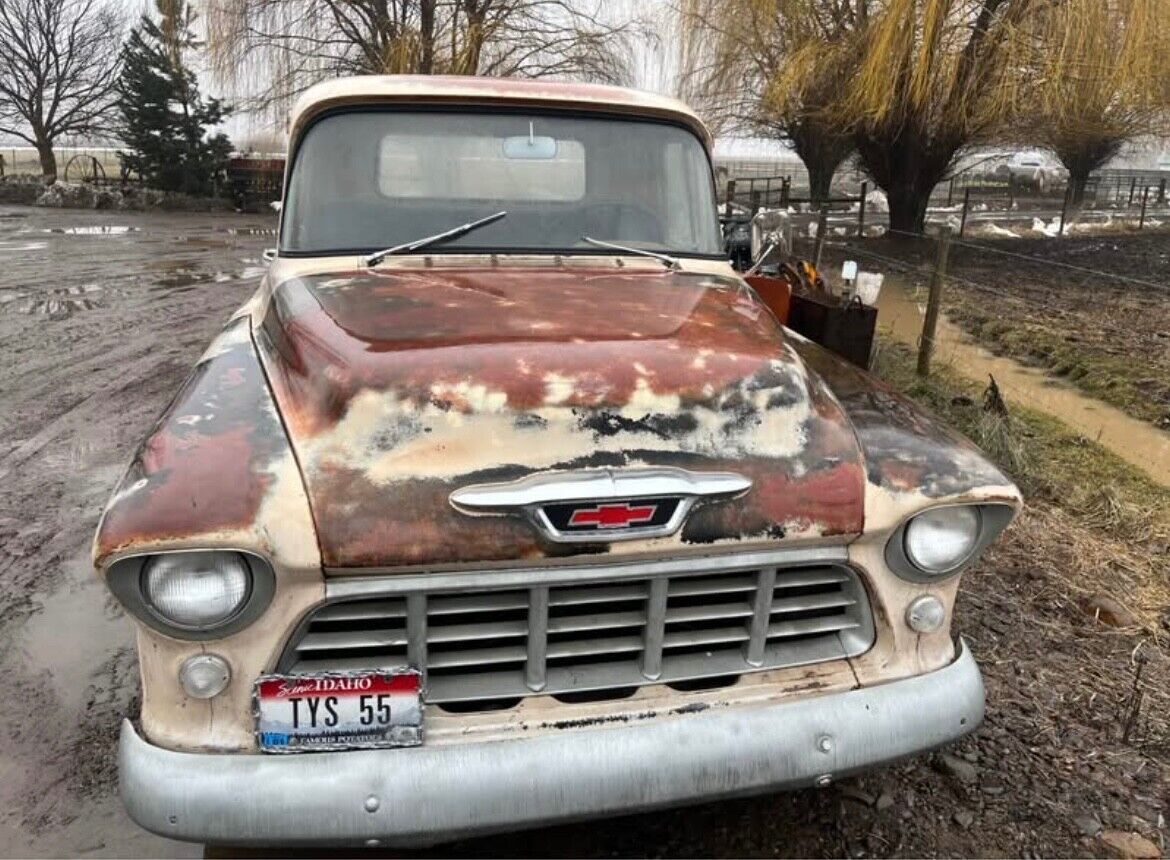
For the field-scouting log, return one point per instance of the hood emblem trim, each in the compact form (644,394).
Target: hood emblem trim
(613,493)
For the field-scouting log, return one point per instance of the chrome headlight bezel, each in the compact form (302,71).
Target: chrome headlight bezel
(126,578)
(993,518)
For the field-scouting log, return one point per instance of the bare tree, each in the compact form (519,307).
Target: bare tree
(748,67)
(58,69)
(291,44)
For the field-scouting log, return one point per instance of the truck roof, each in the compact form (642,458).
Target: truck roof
(432,89)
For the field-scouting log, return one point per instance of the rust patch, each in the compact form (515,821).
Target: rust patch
(205,467)
(577,339)
(589,722)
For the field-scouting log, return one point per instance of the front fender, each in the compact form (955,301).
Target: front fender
(215,472)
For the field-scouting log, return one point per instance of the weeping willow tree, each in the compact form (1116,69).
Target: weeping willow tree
(291,44)
(1102,79)
(934,77)
(747,66)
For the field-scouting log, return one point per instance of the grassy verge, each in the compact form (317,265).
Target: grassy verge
(1115,379)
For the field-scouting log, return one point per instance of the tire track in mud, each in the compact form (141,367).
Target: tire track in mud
(73,419)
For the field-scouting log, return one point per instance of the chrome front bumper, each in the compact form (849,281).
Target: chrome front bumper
(424,795)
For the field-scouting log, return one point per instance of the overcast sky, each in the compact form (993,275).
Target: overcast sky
(653,66)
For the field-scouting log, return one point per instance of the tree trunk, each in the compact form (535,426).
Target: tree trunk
(48,161)
(1077,180)
(426,34)
(822,152)
(820,179)
(908,201)
(906,163)
(1081,153)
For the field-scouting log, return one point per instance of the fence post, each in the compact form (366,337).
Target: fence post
(861,211)
(755,201)
(966,206)
(1145,197)
(951,192)
(933,303)
(785,191)
(1064,209)
(1132,187)
(822,228)
(1011,194)
(730,197)
(767,190)
(1162,191)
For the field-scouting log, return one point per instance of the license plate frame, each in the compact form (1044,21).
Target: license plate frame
(404,684)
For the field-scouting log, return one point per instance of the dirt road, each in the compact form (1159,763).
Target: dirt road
(101,315)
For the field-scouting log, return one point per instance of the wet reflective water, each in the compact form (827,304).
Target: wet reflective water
(1137,442)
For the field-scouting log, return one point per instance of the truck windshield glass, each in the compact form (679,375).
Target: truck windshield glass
(366,181)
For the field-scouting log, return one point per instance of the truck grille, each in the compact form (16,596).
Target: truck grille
(489,647)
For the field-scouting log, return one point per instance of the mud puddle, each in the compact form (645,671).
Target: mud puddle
(101,317)
(1135,441)
(94,230)
(73,624)
(9,248)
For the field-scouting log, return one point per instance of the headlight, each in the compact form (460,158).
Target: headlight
(196,589)
(939,540)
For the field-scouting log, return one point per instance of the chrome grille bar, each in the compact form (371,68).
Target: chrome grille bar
(655,628)
(498,636)
(761,613)
(416,624)
(534,668)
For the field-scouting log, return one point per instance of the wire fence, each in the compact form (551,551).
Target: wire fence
(993,182)
(925,260)
(252,181)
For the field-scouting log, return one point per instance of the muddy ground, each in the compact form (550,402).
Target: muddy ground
(101,315)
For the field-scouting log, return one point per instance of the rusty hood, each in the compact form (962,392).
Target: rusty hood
(399,387)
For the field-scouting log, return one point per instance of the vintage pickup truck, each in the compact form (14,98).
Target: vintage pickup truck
(545,516)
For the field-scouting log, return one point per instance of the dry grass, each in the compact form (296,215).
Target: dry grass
(1067,563)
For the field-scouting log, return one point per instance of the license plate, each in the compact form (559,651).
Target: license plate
(339,711)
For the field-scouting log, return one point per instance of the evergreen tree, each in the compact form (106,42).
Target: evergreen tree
(164,117)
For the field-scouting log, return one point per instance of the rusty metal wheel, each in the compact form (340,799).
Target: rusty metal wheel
(84,168)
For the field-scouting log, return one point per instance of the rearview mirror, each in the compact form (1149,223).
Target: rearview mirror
(529,147)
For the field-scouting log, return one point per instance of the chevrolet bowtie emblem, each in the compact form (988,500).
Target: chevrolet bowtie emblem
(602,505)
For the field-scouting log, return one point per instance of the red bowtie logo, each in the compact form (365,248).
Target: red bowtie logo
(616,516)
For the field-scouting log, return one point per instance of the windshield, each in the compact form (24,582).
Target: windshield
(365,181)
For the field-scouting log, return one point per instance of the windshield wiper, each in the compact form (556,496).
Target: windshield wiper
(462,230)
(667,260)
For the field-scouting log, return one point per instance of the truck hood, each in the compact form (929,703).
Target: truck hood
(398,387)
